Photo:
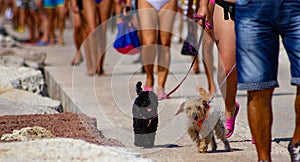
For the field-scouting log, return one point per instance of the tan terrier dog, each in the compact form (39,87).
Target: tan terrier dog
(197,111)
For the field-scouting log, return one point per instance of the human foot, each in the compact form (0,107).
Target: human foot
(76,60)
(230,123)
(161,94)
(61,41)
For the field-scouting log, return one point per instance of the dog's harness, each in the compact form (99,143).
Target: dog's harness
(150,119)
(200,122)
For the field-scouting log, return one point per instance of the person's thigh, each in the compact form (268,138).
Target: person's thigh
(166,20)
(89,13)
(148,21)
(257,44)
(224,35)
(290,31)
(105,8)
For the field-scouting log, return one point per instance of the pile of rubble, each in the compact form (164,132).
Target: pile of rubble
(27,114)
(22,81)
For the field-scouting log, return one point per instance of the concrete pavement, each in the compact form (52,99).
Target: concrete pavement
(110,98)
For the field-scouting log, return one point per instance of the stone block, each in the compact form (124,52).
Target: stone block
(21,78)
(19,102)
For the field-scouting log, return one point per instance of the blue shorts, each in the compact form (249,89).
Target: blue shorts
(258,26)
(52,3)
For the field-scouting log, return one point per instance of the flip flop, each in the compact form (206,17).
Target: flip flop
(147,89)
(230,123)
(42,43)
(162,95)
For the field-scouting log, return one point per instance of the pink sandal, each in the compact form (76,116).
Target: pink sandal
(230,123)
(147,89)
(162,95)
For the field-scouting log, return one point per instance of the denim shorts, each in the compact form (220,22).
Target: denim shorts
(28,4)
(258,26)
(52,3)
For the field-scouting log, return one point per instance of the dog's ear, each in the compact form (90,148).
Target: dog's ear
(181,109)
(138,87)
(203,93)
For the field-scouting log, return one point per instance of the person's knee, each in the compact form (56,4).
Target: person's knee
(260,95)
(166,43)
(149,41)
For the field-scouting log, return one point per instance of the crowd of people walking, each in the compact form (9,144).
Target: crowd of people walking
(246,34)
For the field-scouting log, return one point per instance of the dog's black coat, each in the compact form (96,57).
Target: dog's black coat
(145,118)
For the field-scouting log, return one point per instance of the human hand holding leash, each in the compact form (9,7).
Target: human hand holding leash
(204,15)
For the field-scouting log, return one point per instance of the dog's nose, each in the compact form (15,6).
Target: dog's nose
(194,115)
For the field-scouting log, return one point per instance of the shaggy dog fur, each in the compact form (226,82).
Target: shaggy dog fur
(145,117)
(196,110)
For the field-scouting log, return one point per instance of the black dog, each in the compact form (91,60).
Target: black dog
(145,117)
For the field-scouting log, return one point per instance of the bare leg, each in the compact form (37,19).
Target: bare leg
(90,15)
(60,10)
(208,61)
(225,40)
(196,68)
(78,38)
(296,136)
(51,18)
(45,24)
(260,121)
(166,18)
(22,20)
(149,23)
(31,26)
(105,11)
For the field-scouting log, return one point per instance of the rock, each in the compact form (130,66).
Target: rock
(19,56)
(8,41)
(10,107)
(21,78)
(19,102)
(63,149)
(28,134)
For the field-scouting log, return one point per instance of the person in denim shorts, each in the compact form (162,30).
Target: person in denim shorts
(28,14)
(258,25)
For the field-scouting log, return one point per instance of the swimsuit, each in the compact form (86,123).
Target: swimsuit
(52,3)
(158,4)
(228,8)
(79,4)
(98,1)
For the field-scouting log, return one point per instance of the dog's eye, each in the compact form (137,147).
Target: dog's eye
(189,108)
(199,107)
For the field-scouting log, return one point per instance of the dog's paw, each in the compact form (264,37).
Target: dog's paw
(228,148)
(202,149)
